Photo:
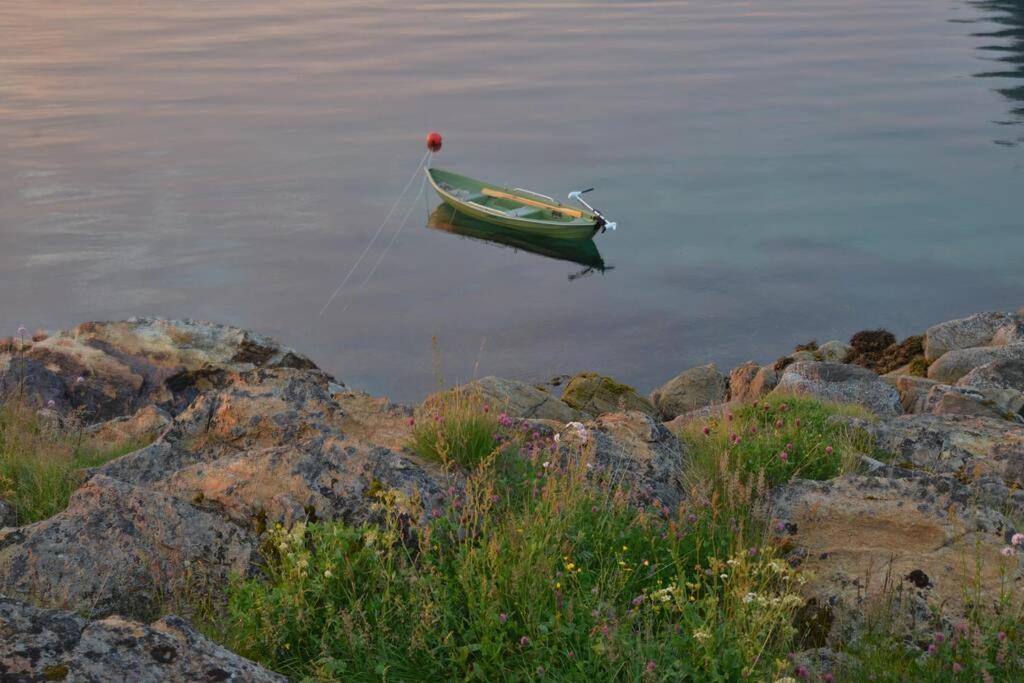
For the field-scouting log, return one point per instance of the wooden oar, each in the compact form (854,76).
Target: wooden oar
(575,213)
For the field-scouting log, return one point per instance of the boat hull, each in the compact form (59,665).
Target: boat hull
(456,191)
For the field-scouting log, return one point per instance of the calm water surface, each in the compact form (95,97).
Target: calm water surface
(780,170)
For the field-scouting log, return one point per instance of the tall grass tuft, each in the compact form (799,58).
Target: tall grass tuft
(39,459)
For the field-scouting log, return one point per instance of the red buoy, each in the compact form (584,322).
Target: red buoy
(434,141)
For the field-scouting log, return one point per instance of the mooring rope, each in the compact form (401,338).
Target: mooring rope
(401,226)
(424,160)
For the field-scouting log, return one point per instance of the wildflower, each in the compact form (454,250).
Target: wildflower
(797,422)
(780,526)
(435,513)
(1007,551)
(784,456)
(637,600)
(524,641)
(327,574)
(957,668)
(487,408)
(828,450)
(1017,539)
(558,437)
(80,380)
(753,429)
(749,598)
(803,673)
(961,627)
(412,422)
(503,617)
(728,416)
(706,430)
(504,420)
(651,665)
(779,423)
(702,635)
(546,464)
(51,404)
(932,649)
(1001,636)
(828,677)
(22,331)
(783,408)
(940,638)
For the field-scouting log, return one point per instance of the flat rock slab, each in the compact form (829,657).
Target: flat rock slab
(53,645)
(517,399)
(966,447)
(842,384)
(861,536)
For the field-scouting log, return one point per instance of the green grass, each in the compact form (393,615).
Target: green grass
(39,461)
(750,441)
(541,569)
(458,428)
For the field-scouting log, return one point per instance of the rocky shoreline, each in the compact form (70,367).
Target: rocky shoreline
(243,433)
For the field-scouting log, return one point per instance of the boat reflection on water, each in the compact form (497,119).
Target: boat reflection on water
(582,252)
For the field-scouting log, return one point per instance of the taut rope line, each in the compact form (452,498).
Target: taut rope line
(369,246)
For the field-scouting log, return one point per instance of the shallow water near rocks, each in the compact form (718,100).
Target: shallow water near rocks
(780,171)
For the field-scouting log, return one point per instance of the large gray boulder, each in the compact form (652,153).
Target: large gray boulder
(517,399)
(120,549)
(630,448)
(964,333)
(596,394)
(953,365)
(689,390)
(842,384)
(53,645)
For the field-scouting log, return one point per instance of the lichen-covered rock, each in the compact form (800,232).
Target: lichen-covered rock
(963,333)
(1010,333)
(689,390)
(517,399)
(596,394)
(842,384)
(119,549)
(955,364)
(833,351)
(867,538)
(999,374)
(967,447)
(633,449)
(334,480)
(143,427)
(53,645)
(945,399)
(107,370)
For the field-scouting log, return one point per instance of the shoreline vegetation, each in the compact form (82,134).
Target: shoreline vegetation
(182,500)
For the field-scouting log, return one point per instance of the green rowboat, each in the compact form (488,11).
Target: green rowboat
(584,252)
(516,208)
